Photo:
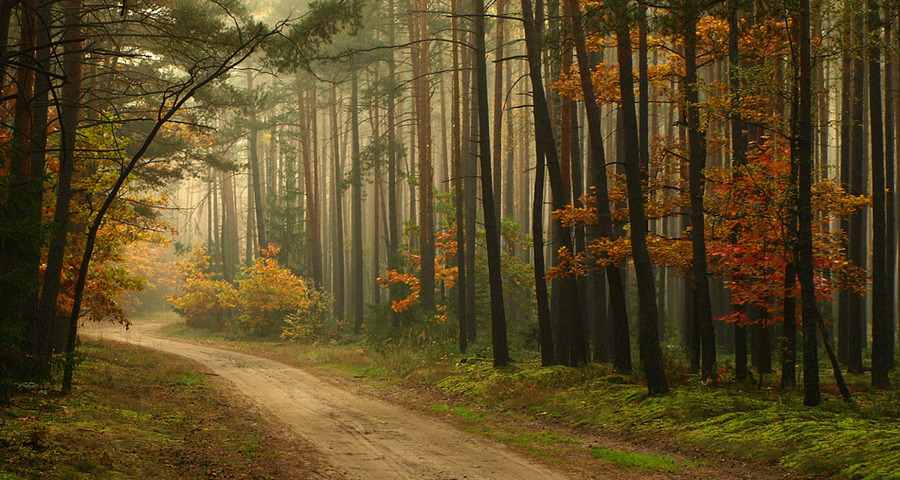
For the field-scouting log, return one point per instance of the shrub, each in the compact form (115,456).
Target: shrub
(272,300)
(267,301)
(200,301)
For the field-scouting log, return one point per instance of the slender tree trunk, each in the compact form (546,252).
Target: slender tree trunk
(805,267)
(491,218)
(310,182)
(544,145)
(337,246)
(648,328)
(393,253)
(21,232)
(469,171)
(845,299)
(421,91)
(890,219)
(358,290)
(697,163)
(857,247)
(456,160)
(377,183)
(882,334)
(497,155)
(617,299)
(69,116)
(571,324)
(738,161)
(231,255)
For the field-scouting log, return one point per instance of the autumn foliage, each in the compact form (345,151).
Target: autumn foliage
(267,300)
(445,248)
(750,211)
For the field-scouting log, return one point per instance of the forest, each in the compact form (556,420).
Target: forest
(679,192)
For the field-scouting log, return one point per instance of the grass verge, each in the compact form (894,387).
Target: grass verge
(137,414)
(757,423)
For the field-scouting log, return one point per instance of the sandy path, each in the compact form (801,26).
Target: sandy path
(364,437)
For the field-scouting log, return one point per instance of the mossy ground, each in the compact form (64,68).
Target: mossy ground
(758,422)
(136,414)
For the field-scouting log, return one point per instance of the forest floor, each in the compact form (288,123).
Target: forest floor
(369,427)
(136,413)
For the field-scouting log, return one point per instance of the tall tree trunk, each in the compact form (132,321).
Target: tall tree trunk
(890,219)
(231,255)
(393,253)
(357,295)
(69,116)
(845,299)
(544,145)
(456,160)
(497,155)
(648,328)
(857,247)
(21,229)
(256,172)
(469,172)
(37,326)
(337,247)
(491,218)
(377,183)
(805,267)
(310,182)
(697,163)
(882,334)
(421,91)
(738,161)
(617,299)
(569,303)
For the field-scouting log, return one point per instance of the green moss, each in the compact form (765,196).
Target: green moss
(758,422)
(659,463)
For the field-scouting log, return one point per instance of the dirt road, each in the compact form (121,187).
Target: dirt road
(365,438)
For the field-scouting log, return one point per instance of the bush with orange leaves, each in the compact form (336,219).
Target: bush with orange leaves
(273,301)
(267,301)
(200,298)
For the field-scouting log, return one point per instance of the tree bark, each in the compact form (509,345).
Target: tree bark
(882,334)
(337,246)
(805,267)
(256,172)
(358,289)
(738,161)
(491,218)
(497,154)
(648,328)
(231,255)
(544,145)
(857,245)
(617,299)
(310,182)
(69,116)
(421,91)
(697,164)
(457,180)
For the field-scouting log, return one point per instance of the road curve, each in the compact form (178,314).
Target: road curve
(365,438)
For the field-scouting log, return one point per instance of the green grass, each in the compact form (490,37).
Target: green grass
(659,463)
(766,424)
(133,414)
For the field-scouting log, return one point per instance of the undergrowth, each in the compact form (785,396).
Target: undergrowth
(133,414)
(757,422)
